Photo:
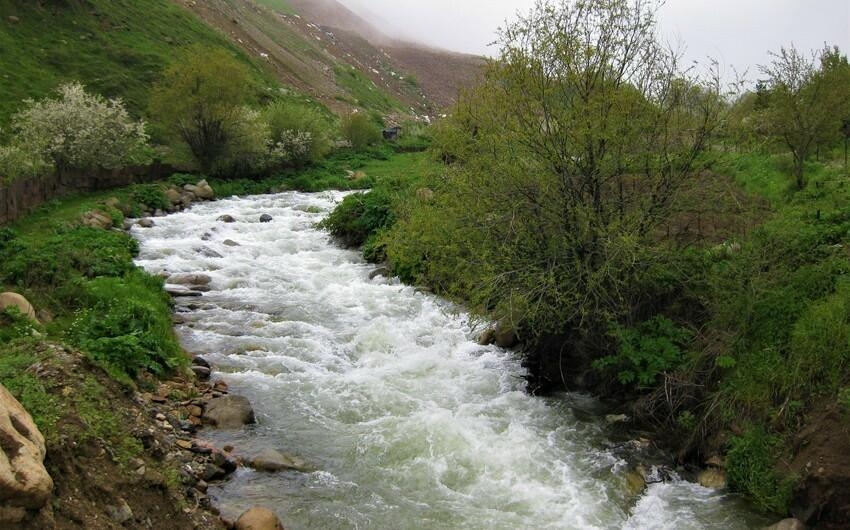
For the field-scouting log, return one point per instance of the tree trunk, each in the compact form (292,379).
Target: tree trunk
(798,173)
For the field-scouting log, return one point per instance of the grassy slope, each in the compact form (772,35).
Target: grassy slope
(116,47)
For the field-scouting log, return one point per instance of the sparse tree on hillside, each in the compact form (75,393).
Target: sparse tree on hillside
(805,99)
(79,130)
(200,98)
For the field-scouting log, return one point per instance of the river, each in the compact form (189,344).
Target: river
(406,420)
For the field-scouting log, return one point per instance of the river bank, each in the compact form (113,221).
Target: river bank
(386,394)
(213,236)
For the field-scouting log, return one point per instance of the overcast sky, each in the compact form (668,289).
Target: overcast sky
(737,32)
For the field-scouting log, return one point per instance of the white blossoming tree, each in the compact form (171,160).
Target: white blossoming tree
(80,130)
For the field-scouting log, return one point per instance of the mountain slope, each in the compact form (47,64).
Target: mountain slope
(116,47)
(332,54)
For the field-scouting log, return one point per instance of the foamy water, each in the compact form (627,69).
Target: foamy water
(407,421)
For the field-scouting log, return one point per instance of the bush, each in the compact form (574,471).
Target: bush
(150,195)
(751,469)
(248,152)
(360,216)
(56,260)
(645,351)
(127,327)
(79,130)
(360,131)
(16,163)
(292,126)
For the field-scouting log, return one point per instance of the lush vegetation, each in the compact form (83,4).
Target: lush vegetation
(578,234)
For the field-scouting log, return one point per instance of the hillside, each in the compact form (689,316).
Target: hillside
(332,54)
(321,50)
(115,47)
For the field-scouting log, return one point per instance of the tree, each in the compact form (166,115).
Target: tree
(79,130)
(805,100)
(200,98)
(567,159)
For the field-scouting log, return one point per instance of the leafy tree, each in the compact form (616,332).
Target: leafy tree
(78,130)
(567,159)
(805,100)
(200,99)
(360,131)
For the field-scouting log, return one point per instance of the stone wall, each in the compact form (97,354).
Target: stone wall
(23,195)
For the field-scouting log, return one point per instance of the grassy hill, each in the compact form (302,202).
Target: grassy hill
(115,47)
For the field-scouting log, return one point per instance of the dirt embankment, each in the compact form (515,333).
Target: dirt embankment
(137,465)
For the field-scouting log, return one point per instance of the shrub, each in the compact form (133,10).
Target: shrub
(751,470)
(54,261)
(819,351)
(295,125)
(248,151)
(645,351)
(16,163)
(79,130)
(126,326)
(360,216)
(360,131)
(150,195)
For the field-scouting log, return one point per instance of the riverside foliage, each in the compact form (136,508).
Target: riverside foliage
(565,205)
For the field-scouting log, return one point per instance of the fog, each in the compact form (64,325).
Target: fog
(738,33)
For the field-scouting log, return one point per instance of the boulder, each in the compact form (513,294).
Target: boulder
(189,279)
(187,197)
(204,191)
(120,512)
(787,524)
(712,478)
(258,518)
(201,372)
(16,300)
(173,196)
(266,218)
(272,460)
(226,218)
(115,202)
(146,223)
(488,337)
(24,482)
(230,243)
(505,337)
(635,482)
(380,271)
(229,412)
(208,252)
(97,219)
(181,291)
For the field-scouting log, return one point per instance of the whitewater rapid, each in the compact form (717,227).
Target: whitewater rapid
(383,390)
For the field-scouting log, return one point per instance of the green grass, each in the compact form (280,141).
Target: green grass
(117,48)
(366,94)
(16,356)
(281,6)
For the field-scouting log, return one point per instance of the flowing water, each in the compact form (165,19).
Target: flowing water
(406,420)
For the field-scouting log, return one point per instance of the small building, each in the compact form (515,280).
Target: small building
(392,133)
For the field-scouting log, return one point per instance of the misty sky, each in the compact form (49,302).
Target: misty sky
(737,32)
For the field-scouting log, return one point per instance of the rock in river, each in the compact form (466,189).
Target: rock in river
(229,412)
(258,518)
